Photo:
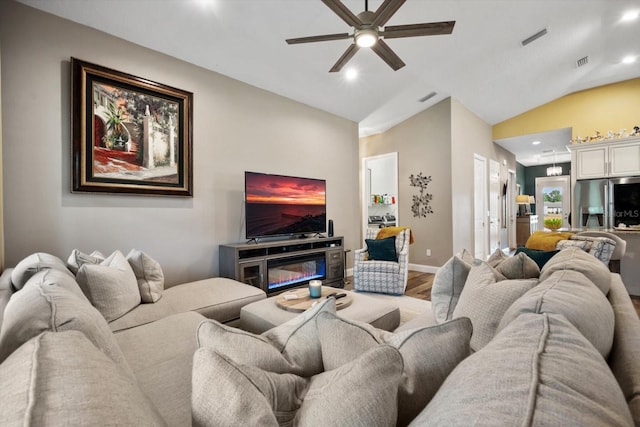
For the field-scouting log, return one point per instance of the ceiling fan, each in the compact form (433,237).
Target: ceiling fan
(368,32)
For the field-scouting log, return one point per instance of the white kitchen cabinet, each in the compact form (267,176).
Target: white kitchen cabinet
(606,159)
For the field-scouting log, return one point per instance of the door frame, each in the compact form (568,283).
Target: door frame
(480,249)
(365,185)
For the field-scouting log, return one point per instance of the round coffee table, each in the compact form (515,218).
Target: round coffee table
(304,301)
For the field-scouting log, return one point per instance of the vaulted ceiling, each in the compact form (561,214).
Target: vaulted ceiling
(482,64)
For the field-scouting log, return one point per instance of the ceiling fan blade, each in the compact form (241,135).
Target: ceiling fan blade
(384,51)
(385,12)
(346,56)
(412,30)
(343,12)
(324,38)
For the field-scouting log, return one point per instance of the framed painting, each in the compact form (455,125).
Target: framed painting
(130,135)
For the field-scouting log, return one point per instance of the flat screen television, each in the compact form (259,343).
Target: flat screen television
(278,205)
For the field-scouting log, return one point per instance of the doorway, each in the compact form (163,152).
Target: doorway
(553,200)
(380,191)
(480,233)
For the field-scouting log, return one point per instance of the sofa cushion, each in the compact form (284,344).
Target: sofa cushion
(111,286)
(538,256)
(518,266)
(447,287)
(429,354)
(580,261)
(34,263)
(60,378)
(6,291)
(217,298)
(623,359)
(485,298)
(46,303)
(293,347)
(382,249)
(161,357)
(77,259)
(148,273)
(362,392)
(546,241)
(538,371)
(572,295)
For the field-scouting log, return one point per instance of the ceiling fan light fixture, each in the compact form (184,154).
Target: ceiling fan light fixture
(366,37)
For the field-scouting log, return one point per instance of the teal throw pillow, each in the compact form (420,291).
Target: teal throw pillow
(540,257)
(382,249)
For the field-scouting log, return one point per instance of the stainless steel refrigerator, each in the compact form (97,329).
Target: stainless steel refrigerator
(592,204)
(607,203)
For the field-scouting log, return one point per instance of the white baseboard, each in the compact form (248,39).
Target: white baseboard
(423,268)
(349,272)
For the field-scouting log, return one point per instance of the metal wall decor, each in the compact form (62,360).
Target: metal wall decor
(421,203)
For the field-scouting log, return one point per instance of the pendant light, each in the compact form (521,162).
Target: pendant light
(554,170)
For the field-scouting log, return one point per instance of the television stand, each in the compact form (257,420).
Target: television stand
(279,265)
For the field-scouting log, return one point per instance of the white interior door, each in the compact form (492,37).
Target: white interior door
(480,235)
(494,205)
(553,199)
(511,208)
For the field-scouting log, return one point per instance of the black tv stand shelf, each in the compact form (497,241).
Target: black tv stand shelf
(254,263)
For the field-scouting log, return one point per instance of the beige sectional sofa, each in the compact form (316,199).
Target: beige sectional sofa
(507,343)
(150,348)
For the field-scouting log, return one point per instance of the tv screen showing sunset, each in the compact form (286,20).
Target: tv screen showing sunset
(280,205)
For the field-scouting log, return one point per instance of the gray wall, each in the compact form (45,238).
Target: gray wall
(423,145)
(471,135)
(439,142)
(237,127)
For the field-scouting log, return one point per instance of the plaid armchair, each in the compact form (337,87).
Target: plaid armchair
(386,277)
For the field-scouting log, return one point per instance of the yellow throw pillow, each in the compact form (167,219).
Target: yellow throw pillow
(546,241)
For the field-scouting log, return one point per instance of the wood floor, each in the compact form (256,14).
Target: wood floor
(419,286)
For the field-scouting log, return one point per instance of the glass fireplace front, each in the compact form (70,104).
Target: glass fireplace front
(295,271)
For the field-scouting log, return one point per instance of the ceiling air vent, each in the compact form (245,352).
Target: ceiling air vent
(582,62)
(428,97)
(534,37)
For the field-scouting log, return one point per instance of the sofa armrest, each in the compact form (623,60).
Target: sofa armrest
(6,290)
(360,254)
(623,359)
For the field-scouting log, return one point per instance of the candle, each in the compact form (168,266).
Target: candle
(315,288)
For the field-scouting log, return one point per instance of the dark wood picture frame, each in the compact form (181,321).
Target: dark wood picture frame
(130,135)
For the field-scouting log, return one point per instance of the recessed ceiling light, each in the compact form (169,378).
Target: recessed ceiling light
(630,15)
(351,74)
(536,142)
(630,59)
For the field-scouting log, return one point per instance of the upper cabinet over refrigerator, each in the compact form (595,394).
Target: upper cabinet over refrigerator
(617,158)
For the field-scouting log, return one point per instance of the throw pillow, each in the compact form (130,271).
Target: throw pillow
(429,354)
(485,298)
(60,378)
(111,286)
(447,286)
(34,263)
(382,249)
(293,347)
(77,259)
(148,274)
(585,245)
(546,241)
(518,266)
(600,247)
(497,257)
(572,295)
(538,371)
(362,392)
(48,302)
(539,257)
(582,262)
